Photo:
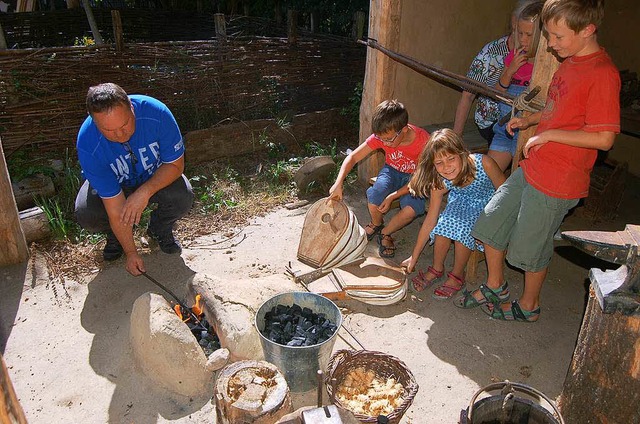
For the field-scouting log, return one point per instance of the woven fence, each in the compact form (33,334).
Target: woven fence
(204,83)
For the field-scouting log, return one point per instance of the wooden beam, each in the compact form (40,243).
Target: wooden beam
(117,29)
(14,249)
(546,64)
(10,409)
(380,75)
(92,23)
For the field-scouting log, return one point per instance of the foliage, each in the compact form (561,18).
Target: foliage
(352,111)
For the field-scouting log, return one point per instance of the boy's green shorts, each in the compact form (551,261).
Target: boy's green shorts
(524,220)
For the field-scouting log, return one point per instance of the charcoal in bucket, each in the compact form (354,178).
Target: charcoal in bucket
(297,326)
(300,364)
(507,408)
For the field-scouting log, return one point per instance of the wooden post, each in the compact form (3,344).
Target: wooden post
(14,245)
(92,23)
(380,75)
(357,30)
(199,6)
(221,26)
(603,381)
(10,409)
(277,12)
(117,30)
(545,66)
(315,21)
(292,26)
(3,41)
(73,4)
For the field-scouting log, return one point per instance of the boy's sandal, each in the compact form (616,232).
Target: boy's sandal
(467,300)
(446,292)
(421,282)
(516,313)
(375,230)
(386,251)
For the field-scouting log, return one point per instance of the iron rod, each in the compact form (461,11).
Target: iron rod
(182,305)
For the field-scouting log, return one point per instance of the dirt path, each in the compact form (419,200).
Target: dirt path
(66,345)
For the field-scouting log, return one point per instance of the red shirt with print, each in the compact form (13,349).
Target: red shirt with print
(584,95)
(402,158)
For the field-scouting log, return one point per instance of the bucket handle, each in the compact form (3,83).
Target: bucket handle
(509,387)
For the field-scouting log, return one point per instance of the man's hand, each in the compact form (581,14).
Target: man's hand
(133,207)
(135,264)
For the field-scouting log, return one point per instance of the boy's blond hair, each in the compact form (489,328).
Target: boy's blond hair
(426,178)
(577,14)
(389,115)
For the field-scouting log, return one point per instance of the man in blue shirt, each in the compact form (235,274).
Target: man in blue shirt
(132,154)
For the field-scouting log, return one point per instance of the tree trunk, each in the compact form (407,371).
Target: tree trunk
(603,381)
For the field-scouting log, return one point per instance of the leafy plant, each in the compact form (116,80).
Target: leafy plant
(352,111)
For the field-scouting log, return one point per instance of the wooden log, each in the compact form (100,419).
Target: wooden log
(245,137)
(380,75)
(603,381)
(251,392)
(10,409)
(545,66)
(26,190)
(117,30)
(35,224)
(14,245)
(73,4)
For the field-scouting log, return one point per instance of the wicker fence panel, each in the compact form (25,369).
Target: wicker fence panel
(204,83)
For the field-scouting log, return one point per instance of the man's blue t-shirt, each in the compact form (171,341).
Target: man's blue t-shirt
(109,166)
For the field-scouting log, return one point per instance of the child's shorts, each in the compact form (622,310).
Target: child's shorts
(502,141)
(390,180)
(524,219)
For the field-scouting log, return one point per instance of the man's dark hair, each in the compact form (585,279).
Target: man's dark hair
(104,97)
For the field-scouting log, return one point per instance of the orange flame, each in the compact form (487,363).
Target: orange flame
(197,309)
(178,310)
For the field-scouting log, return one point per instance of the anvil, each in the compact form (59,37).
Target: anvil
(617,290)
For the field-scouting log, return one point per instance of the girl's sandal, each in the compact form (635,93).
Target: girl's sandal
(494,296)
(421,282)
(386,251)
(446,292)
(375,230)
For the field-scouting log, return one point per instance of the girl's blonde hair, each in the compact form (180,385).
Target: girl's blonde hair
(426,178)
(532,13)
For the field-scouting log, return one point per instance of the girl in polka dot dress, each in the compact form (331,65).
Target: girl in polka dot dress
(445,166)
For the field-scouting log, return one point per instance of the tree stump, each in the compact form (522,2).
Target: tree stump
(603,381)
(251,392)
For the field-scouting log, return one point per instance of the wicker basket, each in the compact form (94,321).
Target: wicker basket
(385,366)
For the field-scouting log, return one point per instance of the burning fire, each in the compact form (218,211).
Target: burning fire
(197,310)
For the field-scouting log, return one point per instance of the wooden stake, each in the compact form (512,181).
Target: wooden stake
(117,30)
(92,23)
(221,26)
(14,249)
(359,19)
(292,26)
(3,41)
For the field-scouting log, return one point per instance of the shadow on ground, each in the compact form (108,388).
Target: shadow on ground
(106,314)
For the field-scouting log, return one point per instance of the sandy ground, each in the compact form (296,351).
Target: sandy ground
(66,344)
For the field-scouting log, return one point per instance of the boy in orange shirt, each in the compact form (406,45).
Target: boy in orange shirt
(581,116)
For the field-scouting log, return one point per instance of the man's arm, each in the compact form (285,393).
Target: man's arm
(462,111)
(601,140)
(135,204)
(124,233)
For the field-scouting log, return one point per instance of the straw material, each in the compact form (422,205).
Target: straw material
(385,366)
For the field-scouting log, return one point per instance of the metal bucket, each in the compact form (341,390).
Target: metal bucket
(299,364)
(507,408)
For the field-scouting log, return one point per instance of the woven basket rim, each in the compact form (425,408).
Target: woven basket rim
(350,358)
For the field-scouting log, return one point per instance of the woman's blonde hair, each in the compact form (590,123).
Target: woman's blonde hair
(426,178)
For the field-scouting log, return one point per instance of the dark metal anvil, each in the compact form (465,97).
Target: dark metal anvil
(617,290)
